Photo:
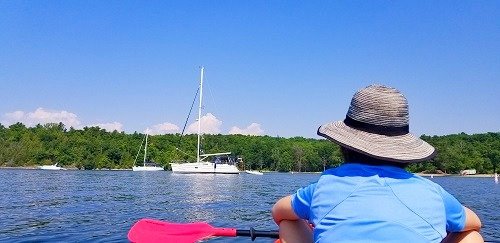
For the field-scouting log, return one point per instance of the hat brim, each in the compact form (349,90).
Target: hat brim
(401,149)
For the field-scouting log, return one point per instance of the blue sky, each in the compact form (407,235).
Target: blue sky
(271,67)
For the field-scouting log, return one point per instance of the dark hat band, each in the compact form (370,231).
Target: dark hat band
(377,129)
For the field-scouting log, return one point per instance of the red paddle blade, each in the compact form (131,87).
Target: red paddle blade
(150,230)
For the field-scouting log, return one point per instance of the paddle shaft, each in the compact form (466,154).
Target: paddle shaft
(258,233)
(274,234)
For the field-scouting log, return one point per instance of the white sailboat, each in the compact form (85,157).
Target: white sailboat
(146,166)
(51,167)
(222,162)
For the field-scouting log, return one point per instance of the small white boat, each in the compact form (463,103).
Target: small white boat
(254,172)
(147,168)
(50,167)
(145,165)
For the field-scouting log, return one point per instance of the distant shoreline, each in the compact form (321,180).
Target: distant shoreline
(292,172)
(456,175)
(65,168)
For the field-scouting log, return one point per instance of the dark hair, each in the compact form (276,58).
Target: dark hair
(351,156)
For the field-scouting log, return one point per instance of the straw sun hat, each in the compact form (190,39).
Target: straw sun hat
(377,125)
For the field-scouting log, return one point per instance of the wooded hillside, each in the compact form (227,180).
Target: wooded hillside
(93,147)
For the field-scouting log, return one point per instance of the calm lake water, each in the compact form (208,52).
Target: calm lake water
(101,206)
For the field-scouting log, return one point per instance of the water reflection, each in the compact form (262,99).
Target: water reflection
(202,196)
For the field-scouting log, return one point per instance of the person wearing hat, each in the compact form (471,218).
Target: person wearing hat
(371,197)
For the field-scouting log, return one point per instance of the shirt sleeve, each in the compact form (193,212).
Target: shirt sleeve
(301,201)
(455,212)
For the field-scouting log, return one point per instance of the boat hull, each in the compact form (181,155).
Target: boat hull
(147,168)
(253,172)
(50,167)
(204,167)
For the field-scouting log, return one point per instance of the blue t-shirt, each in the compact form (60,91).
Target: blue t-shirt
(367,203)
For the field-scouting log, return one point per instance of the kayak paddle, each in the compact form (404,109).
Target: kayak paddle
(151,230)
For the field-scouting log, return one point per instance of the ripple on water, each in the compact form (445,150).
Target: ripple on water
(101,206)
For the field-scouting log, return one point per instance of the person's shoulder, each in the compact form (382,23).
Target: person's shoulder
(424,181)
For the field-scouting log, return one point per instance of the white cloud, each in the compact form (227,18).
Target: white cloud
(15,116)
(209,125)
(252,129)
(110,126)
(162,128)
(42,116)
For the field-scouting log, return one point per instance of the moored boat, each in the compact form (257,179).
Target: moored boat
(222,163)
(50,167)
(146,166)
(254,172)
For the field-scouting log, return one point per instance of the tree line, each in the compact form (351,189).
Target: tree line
(95,148)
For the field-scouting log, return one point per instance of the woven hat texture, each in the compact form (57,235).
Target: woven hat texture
(377,125)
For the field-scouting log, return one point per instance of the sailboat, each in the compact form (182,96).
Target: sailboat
(146,166)
(221,163)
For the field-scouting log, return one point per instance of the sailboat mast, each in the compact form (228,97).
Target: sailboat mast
(199,114)
(145,150)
